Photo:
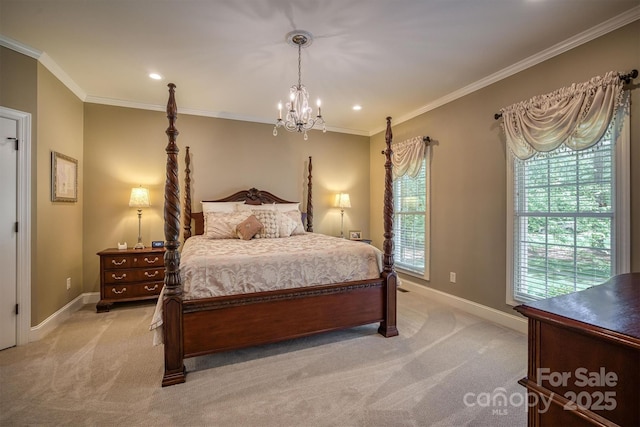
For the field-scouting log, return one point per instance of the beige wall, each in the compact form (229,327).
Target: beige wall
(468,167)
(58,252)
(125,148)
(56,229)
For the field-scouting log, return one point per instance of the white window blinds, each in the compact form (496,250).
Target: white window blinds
(411,205)
(411,221)
(564,231)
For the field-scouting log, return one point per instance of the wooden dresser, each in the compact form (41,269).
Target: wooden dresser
(584,356)
(129,275)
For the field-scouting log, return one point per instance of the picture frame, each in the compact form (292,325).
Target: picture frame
(355,235)
(64,178)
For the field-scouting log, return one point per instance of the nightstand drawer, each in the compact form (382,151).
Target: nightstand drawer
(132,290)
(131,261)
(133,275)
(118,261)
(152,260)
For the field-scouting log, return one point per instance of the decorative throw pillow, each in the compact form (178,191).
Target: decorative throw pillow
(286,225)
(222,225)
(296,216)
(268,218)
(248,228)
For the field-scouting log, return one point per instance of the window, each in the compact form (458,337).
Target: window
(567,221)
(410,223)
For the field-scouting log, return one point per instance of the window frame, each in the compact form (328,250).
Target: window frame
(621,218)
(425,275)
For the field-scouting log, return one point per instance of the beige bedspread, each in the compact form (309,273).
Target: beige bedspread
(210,268)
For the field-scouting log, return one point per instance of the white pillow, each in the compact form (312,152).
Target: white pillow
(222,225)
(245,207)
(220,206)
(287,207)
(286,224)
(296,216)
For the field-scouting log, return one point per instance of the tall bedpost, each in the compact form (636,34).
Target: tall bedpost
(187,195)
(388,325)
(309,201)
(174,371)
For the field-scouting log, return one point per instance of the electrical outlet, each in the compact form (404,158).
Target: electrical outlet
(68,283)
(452,277)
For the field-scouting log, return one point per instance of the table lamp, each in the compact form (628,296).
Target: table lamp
(139,199)
(342,201)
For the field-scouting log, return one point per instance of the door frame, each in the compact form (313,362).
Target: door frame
(23,269)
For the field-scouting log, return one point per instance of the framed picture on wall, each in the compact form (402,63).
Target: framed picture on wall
(355,234)
(64,178)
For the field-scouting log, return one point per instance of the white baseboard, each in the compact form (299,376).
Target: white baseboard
(50,323)
(491,314)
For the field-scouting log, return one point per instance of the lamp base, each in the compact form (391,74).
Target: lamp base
(139,245)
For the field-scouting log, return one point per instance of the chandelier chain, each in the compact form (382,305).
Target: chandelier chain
(299,65)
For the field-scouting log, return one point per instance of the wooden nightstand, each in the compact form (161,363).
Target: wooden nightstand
(129,275)
(363,240)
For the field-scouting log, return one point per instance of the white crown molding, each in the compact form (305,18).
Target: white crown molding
(61,75)
(204,113)
(12,44)
(586,36)
(127,104)
(47,62)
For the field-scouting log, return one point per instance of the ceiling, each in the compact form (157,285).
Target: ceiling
(230,59)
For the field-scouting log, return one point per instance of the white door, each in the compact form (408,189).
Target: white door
(8,232)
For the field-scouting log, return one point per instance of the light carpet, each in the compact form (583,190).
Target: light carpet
(447,368)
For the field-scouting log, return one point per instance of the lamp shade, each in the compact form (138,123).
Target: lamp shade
(139,198)
(343,200)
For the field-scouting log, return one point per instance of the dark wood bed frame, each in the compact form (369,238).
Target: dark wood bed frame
(203,326)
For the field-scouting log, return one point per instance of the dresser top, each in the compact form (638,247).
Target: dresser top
(130,251)
(614,306)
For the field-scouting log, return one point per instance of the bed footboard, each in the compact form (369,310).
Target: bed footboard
(228,323)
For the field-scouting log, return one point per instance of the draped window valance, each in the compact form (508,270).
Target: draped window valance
(407,157)
(576,117)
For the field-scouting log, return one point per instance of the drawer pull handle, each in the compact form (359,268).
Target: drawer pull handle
(123,290)
(114,262)
(148,261)
(119,277)
(155,273)
(151,289)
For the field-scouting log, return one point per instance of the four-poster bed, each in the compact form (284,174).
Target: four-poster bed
(199,326)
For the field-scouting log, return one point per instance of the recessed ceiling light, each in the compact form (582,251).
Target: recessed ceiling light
(155,76)
(357,107)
